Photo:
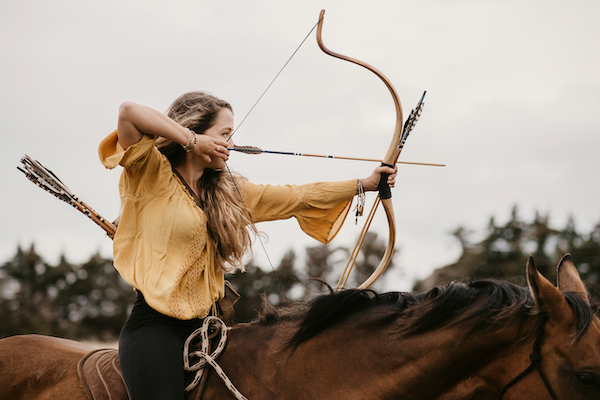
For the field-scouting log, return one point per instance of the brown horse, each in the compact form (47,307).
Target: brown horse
(482,340)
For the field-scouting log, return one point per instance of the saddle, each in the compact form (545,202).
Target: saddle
(100,371)
(101,377)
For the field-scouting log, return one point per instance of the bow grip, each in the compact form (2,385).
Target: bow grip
(385,192)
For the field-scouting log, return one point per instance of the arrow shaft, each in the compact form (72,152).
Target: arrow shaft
(255,150)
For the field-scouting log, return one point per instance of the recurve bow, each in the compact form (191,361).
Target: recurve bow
(390,158)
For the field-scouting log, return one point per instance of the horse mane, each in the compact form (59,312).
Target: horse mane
(483,305)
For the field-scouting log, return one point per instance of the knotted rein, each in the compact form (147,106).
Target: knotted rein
(536,360)
(210,325)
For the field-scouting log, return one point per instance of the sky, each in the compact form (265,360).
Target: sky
(513,93)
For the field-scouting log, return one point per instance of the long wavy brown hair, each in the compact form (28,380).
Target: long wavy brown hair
(228,218)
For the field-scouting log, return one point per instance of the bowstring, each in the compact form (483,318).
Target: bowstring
(272,82)
(262,244)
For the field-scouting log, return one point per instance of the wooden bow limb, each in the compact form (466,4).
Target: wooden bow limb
(51,183)
(389,212)
(390,159)
(355,251)
(253,150)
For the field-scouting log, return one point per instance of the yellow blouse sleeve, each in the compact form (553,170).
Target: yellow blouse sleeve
(320,208)
(112,153)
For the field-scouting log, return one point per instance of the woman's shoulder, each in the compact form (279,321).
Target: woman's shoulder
(111,152)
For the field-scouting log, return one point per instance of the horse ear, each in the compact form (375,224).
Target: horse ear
(548,299)
(568,278)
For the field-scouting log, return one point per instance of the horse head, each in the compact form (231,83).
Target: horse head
(568,358)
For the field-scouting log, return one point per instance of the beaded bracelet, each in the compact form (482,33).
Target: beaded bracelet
(360,204)
(191,141)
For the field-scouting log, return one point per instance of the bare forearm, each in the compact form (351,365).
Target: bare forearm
(136,120)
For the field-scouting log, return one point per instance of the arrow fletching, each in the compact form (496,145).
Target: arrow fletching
(51,183)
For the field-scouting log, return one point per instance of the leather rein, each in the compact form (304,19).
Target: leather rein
(536,360)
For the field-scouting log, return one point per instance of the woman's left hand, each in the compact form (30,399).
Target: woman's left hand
(371,183)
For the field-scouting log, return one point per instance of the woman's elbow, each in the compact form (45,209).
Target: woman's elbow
(126,110)
(127,132)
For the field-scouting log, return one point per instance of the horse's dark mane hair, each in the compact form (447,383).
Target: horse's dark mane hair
(485,305)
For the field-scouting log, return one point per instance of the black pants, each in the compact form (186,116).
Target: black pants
(151,353)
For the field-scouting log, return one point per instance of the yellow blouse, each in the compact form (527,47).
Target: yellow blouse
(162,246)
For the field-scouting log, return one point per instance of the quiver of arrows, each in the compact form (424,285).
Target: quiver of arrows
(50,182)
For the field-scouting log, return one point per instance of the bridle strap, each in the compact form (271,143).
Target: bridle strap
(536,363)
(515,380)
(536,359)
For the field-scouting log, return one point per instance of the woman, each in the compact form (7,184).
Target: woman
(185,221)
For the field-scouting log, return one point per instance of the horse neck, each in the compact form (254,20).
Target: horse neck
(475,366)
(356,361)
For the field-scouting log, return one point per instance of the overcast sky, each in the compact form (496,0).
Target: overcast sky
(513,93)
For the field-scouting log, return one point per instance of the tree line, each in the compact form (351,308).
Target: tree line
(504,249)
(91,301)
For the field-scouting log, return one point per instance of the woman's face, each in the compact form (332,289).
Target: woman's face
(222,129)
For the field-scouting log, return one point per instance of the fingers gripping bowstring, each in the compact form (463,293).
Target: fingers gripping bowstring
(239,126)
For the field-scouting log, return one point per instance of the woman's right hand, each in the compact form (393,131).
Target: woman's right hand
(209,148)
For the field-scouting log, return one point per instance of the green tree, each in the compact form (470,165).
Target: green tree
(503,248)
(586,254)
(320,261)
(503,253)
(88,301)
(27,290)
(370,255)
(286,283)
(257,285)
(324,262)
(91,301)
(95,300)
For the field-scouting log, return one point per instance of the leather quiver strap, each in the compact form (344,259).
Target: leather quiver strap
(225,305)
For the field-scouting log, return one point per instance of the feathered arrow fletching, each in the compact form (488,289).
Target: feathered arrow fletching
(412,119)
(50,182)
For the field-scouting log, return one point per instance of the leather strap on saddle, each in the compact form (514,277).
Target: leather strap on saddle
(225,305)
